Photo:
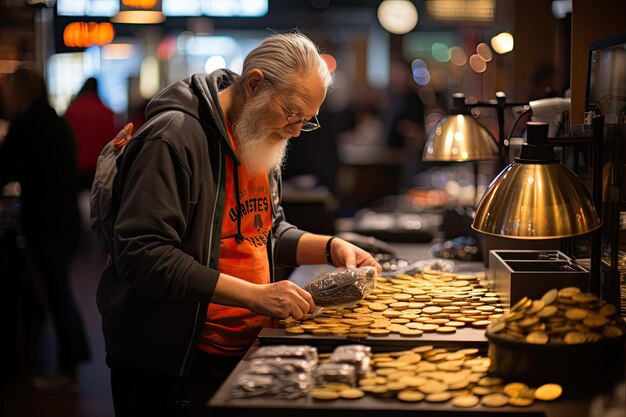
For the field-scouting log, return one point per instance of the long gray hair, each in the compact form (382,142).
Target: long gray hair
(281,57)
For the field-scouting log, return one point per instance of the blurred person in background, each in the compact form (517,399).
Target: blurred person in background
(199,228)
(93,125)
(39,152)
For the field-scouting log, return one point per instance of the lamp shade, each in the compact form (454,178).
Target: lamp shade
(536,197)
(459,138)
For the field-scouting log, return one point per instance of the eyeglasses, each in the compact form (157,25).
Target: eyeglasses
(292,119)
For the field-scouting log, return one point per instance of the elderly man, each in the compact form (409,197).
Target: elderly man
(199,228)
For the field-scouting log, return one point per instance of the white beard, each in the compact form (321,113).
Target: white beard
(259,150)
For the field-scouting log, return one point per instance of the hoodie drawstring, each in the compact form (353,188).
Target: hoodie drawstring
(238,236)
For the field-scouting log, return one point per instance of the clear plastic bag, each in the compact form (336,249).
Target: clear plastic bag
(342,287)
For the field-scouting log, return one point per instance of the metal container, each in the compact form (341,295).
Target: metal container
(515,274)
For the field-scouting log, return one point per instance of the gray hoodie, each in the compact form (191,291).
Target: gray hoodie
(169,198)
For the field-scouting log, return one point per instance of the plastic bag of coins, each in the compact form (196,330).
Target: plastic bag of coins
(408,306)
(308,353)
(331,372)
(356,355)
(342,287)
(286,378)
(567,336)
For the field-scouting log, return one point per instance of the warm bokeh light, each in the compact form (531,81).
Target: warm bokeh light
(118,51)
(138,17)
(149,77)
(502,43)
(331,62)
(397,16)
(477,64)
(458,56)
(441,52)
(484,52)
(85,34)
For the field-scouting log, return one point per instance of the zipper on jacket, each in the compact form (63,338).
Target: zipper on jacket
(195,322)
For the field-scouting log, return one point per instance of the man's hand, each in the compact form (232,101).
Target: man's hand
(282,299)
(350,256)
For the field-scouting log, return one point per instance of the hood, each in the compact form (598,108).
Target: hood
(198,97)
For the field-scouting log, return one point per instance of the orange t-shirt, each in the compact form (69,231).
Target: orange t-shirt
(232,330)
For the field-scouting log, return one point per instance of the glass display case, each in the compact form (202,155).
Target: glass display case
(606,96)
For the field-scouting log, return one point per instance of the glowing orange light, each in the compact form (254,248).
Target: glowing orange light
(140,4)
(84,34)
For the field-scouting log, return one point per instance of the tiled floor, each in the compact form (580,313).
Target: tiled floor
(17,398)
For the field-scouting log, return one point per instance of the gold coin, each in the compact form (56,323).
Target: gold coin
(401,305)
(294,330)
(521,401)
(410,395)
(550,296)
(324,394)
(357,336)
(432,310)
(378,307)
(481,391)
(336,386)
(439,397)
(496,327)
(427,327)
(595,321)
(612,331)
(538,338)
(514,389)
(379,332)
(548,392)
(584,298)
(576,314)
(520,304)
(400,320)
(489,381)
(367,381)
(467,351)
(411,332)
(465,401)
(374,389)
(569,292)
(459,385)
(495,400)
(548,311)
(574,338)
(608,310)
(413,381)
(536,306)
(446,329)
(528,321)
(320,332)
(351,394)
(422,349)
(433,387)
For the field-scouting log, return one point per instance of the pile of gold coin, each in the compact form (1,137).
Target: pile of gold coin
(565,316)
(437,375)
(408,305)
